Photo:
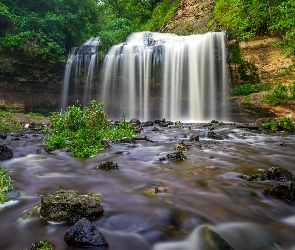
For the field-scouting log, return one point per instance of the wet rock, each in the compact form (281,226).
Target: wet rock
(278,174)
(155,129)
(255,177)
(181,146)
(211,127)
(108,165)
(173,156)
(213,135)
(194,137)
(3,135)
(105,143)
(147,124)
(178,124)
(5,152)
(215,241)
(45,151)
(135,122)
(69,206)
(122,153)
(127,140)
(284,191)
(83,233)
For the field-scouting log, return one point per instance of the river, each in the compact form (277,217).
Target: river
(159,204)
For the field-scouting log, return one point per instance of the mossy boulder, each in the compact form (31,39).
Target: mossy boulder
(283,191)
(69,206)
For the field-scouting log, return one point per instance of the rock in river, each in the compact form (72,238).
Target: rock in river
(5,152)
(83,233)
(69,206)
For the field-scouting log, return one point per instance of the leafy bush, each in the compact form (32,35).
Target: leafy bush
(282,124)
(82,129)
(7,122)
(5,184)
(248,88)
(279,94)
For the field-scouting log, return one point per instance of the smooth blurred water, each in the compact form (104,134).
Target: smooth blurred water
(202,191)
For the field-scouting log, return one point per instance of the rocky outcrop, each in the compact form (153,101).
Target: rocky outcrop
(191,17)
(268,60)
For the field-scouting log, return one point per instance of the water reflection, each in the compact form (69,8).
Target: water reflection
(198,193)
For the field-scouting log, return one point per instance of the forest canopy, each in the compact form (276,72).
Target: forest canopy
(47,29)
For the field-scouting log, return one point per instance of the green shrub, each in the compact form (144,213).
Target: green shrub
(248,88)
(5,184)
(281,124)
(81,129)
(279,94)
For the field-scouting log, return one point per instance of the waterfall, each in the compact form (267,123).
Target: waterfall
(156,75)
(80,69)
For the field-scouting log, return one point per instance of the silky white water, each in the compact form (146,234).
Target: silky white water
(155,75)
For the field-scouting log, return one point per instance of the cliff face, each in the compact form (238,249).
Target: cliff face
(258,53)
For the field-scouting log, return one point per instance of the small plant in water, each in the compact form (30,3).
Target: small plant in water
(282,124)
(81,129)
(41,245)
(5,184)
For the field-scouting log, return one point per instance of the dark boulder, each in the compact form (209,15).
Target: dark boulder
(213,135)
(3,135)
(5,152)
(278,174)
(69,206)
(83,233)
(108,165)
(284,191)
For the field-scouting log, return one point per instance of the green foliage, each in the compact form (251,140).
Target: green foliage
(282,124)
(279,94)
(248,88)
(116,32)
(5,184)
(81,129)
(246,18)
(160,15)
(45,30)
(41,245)
(7,122)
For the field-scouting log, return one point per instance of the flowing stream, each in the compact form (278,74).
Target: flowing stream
(202,191)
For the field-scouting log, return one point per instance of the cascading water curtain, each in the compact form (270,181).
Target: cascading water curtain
(80,69)
(154,76)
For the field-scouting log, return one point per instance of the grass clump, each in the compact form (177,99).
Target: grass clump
(248,88)
(81,129)
(281,124)
(5,184)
